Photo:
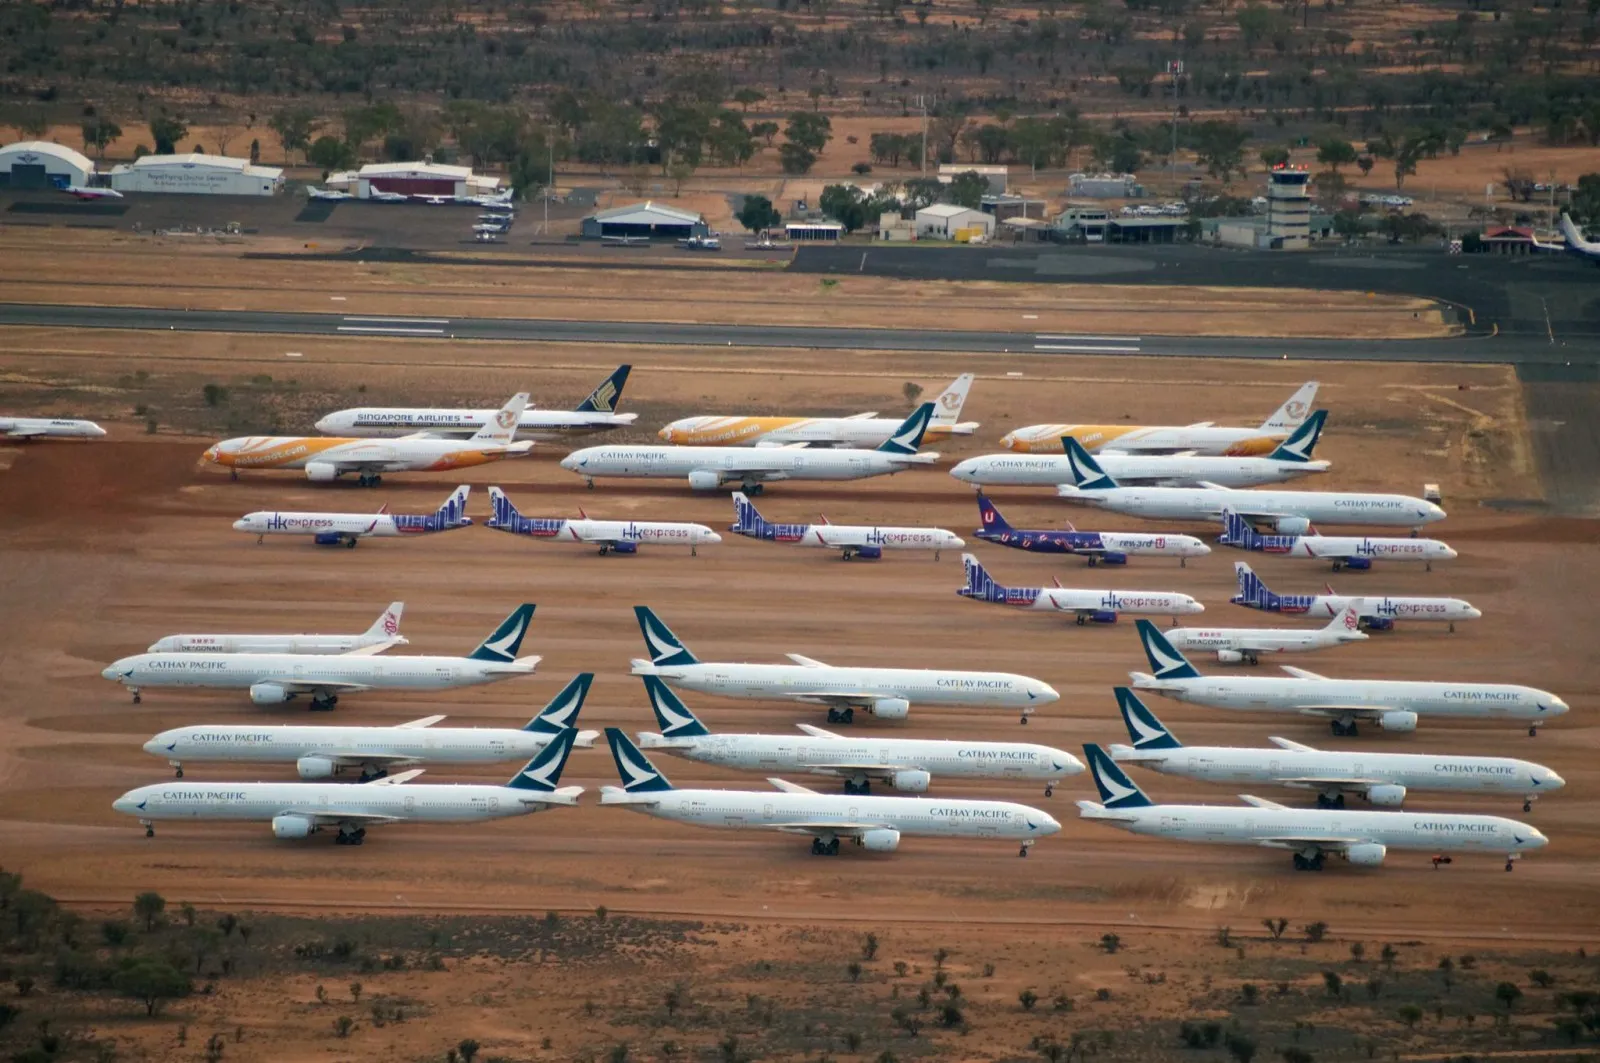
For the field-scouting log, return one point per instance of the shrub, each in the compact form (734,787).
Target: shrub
(1542,979)
(950,1015)
(1409,1014)
(854,971)
(1249,994)
(1240,1047)
(214,394)
(1225,936)
(900,968)
(1333,983)
(343,1025)
(1110,942)
(1027,998)
(148,907)
(1315,932)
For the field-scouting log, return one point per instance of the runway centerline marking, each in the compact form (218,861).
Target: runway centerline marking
(1107,339)
(403,320)
(1084,348)
(392,330)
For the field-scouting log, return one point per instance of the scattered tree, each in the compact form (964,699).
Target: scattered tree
(151,981)
(167,130)
(869,947)
(1315,932)
(343,1025)
(1410,1014)
(149,906)
(1111,943)
(1507,993)
(1275,927)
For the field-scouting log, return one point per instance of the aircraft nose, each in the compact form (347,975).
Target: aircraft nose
(1008,439)
(1552,781)
(154,745)
(712,537)
(111,671)
(1198,549)
(125,803)
(665,433)
(96,431)
(1533,839)
(1435,512)
(241,524)
(569,462)
(962,470)
(212,452)
(1450,554)
(1046,692)
(1473,614)
(1048,824)
(1558,707)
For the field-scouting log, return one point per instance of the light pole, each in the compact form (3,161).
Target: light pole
(1175,68)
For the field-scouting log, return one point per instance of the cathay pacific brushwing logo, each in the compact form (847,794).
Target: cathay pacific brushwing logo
(1139,726)
(563,709)
(1164,659)
(1112,790)
(669,713)
(637,774)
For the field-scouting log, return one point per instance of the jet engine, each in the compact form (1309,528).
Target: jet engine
(1378,623)
(871,553)
(1388,795)
(291,827)
(321,472)
(269,693)
(1399,721)
(1113,557)
(1230,656)
(315,767)
(883,840)
(624,548)
(702,480)
(333,539)
(1357,564)
(1367,854)
(911,781)
(890,708)
(1291,525)
(1103,616)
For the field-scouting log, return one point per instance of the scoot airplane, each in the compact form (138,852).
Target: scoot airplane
(864,430)
(1202,438)
(1090,606)
(1289,512)
(274,678)
(1291,460)
(708,468)
(597,413)
(874,823)
(48,428)
(906,764)
(1344,551)
(383,634)
(886,693)
(324,752)
(1234,645)
(326,458)
(1392,704)
(1382,779)
(300,809)
(1377,613)
(1111,548)
(867,541)
(347,529)
(1312,835)
(611,536)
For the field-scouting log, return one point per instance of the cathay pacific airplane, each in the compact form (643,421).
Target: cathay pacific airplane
(1378,612)
(874,823)
(300,809)
(347,529)
(1205,438)
(384,633)
(906,764)
(1111,548)
(867,541)
(597,413)
(274,678)
(1379,778)
(611,536)
(1311,834)
(48,428)
(1392,704)
(1088,606)
(886,693)
(1344,551)
(1247,645)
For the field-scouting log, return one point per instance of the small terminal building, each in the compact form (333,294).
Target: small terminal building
(647,220)
(194,174)
(814,231)
(36,164)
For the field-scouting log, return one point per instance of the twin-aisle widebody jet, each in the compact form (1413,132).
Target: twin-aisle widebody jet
(863,430)
(597,413)
(1392,704)
(1344,551)
(708,468)
(874,823)
(300,809)
(1204,438)
(1088,606)
(611,536)
(906,764)
(886,693)
(347,529)
(1111,548)
(851,540)
(326,458)
(1311,834)
(1289,461)
(25,428)
(1235,645)
(1378,612)
(274,678)
(383,634)
(1378,778)
(324,752)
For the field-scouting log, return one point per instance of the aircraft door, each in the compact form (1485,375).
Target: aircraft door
(410,803)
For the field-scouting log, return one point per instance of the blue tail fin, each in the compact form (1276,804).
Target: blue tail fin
(1165,661)
(507,638)
(1146,731)
(1303,440)
(908,437)
(989,517)
(604,398)
(980,584)
(455,507)
(747,520)
(1116,789)
(1087,475)
(1237,532)
(671,713)
(562,712)
(663,646)
(638,775)
(543,772)
(505,514)
(1253,592)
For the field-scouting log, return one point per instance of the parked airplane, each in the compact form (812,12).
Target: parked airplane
(433,201)
(380,196)
(347,529)
(1311,834)
(906,764)
(91,192)
(48,428)
(1111,548)
(1378,778)
(863,430)
(1393,704)
(501,200)
(1345,551)
(491,229)
(708,468)
(1291,459)
(300,809)
(852,540)
(1289,512)
(1202,438)
(383,634)
(1248,644)
(1377,612)
(324,752)
(329,194)
(611,536)
(1096,606)
(597,413)
(274,678)
(1589,250)
(326,458)
(875,823)
(884,692)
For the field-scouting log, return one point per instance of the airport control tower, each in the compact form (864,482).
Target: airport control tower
(1288,208)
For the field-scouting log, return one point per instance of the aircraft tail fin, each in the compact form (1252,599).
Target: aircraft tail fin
(1252,591)
(1237,532)
(908,437)
(502,427)
(502,645)
(947,407)
(990,517)
(387,626)
(747,520)
(543,772)
(1144,728)
(638,775)
(454,510)
(1166,662)
(1303,440)
(1349,618)
(1288,416)
(980,584)
(664,647)
(561,714)
(671,713)
(1116,789)
(604,398)
(1087,475)
(506,514)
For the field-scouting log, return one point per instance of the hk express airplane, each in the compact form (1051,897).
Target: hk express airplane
(1378,613)
(611,536)
(1204,438)
(384,633)
(867,541)
(25,428)
(1111,548)
(1344,551)
(347,529)
(1088,606)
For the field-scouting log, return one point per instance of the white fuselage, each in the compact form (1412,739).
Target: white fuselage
(1207,504)
(1153,439)
(265,801)
(827,683)
(726,464)
(379,421)
(1331,605)
(871,757)
(239,671)
(856,536)
(1376,549)
(389,746)
(296,644)
(1084,600)
(653,532)
(49,427)
(742,431)
(1483,701)
(353,525)
(1048,470)
(410,454)
(1256,641)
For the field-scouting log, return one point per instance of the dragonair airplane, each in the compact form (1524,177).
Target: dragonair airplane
(1377,612)
(867,541)
(886,693)
(347,529)
(1588,250)
(300,809)
(1392,704)
(611,536)
(1234,645)
(874,823)
(326,458)
(597,413)
(25,428)
(383,634)
(1111,548)
(860,430)
(1344,551)
(1202,438)
(1090,606)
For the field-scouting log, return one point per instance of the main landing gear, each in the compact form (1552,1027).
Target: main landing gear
(1344,728)
(1327,801)
(824,848)
(844,715)
(367,774)
(324,702)
(369,479)
(347,836)
(1308,863)
(136,696)
(858,786)
(753,489)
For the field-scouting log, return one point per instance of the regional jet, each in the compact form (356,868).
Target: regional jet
(1088,606)
(26,428)
(347,529)
(1204,438)
(611,536)
(383,634)
(1378,613)
(1234,645)
(1111,548)
(867,541)
(1344,551)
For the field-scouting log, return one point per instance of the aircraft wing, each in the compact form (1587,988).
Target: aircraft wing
(833,697)
(1301,673)
(353,758)
(301,686)
(396,780)
(1365,712)
(372,650)
(606,540)
(819,830)
(426,721)
(866,416)
(1291,842)
(1330,780)
(334,819)
(791,787)
(809,662)
(23,433)
(865,769)
(757,460)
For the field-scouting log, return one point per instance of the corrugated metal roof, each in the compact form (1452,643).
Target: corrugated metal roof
(415,169)
(647,213)
(947,210)
(213,162)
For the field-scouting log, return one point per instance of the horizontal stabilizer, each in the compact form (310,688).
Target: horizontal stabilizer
(369,651)
(1262,802)
(815,732)
(396,780)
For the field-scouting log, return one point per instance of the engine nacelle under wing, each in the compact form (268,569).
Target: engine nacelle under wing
(702,480)
(291,827)
(1388,795)
(1399,721)
(321,472)
(1291,525)
(1103,616)
(625,547)
(881,840)
(911,781)
(871,553)
(1367,854)
(1358,564)
(1230,656)
(890,708)
(315,767)
(1113,557)
(269,693)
